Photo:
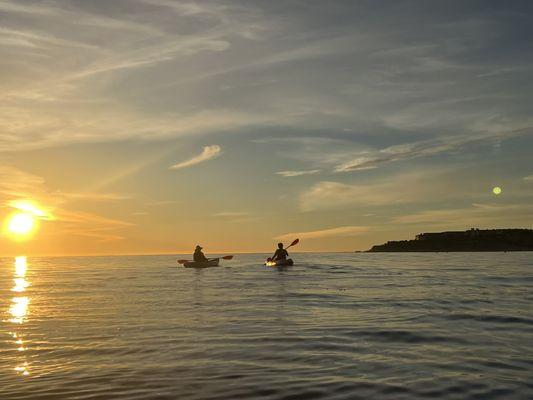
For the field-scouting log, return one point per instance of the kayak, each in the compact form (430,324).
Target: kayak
(202,264)
(279,263)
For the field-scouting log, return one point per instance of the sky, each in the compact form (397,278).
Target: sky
(150,126)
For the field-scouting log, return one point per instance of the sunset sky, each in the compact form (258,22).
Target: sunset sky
(148,126)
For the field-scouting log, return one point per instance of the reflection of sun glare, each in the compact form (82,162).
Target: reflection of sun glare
(20,285)
(19,309)
(23,369)
(20,266)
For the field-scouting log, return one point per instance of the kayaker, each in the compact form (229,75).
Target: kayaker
(280,254)
(198,255)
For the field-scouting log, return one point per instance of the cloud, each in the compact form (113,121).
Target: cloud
(158,203)
(290,174)
(56,105)
(331,232)
(157,70)
(422,186)
(86,224)
(28,192)
(153,54)
(528,178)
(327,195)
(16,184)
(208,153)
(231,214)
(236,216)
(32,208)
(93,196)
(369,160)
(478,215)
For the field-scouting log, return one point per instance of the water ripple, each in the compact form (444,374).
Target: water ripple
(334,326)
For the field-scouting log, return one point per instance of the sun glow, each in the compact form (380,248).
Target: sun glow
(21,224)
(28,207)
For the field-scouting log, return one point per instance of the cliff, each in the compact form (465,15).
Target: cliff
(471,240)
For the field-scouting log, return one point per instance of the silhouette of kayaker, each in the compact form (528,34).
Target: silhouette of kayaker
(199,255)
(280,254)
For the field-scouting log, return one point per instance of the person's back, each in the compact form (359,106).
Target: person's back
(281,253)
(198,255)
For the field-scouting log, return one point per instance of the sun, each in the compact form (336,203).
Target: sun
(21,224)
(25,220)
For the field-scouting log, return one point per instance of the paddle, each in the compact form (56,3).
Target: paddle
(294,243)
(224,258)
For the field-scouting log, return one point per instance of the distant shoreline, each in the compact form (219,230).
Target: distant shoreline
(472,240)
(441,251)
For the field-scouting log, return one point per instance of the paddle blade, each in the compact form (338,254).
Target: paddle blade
(295,242)
(227,257)
(182,261)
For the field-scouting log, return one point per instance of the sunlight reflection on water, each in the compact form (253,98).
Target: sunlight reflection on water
(335,326)
(18,310)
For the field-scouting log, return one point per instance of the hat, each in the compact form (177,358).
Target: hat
(199,247)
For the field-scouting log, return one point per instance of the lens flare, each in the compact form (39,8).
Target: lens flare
(497,190)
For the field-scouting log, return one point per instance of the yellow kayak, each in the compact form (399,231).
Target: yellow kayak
(202,264)
(279,263)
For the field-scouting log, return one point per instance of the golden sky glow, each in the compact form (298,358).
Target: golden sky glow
(150,126)
(22,224)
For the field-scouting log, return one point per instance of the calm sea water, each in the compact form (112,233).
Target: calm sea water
(334,326)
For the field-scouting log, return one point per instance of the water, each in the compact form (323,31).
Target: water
(335,326)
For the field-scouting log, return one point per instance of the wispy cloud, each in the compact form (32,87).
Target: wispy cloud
(346,87)
(158,203)
(330,195)
(330,232)
(478,215)
(208,153)
(16,184)
(236,216)
(87,224)
(231,214)
(28,192)
(93,196)
(369,160)
(126,63)
(425,185)
(291,174)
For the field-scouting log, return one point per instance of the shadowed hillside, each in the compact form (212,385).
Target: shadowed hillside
(470,240)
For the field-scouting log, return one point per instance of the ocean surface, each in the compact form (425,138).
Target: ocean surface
(334,326)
